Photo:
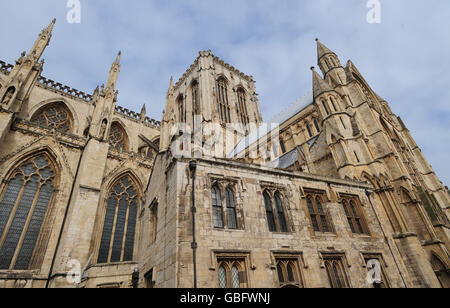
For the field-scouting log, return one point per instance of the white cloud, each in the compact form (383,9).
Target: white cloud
(405,58)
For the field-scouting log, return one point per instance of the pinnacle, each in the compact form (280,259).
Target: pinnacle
(319,85)
(322,50)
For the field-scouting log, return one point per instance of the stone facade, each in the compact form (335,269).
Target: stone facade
(84,181)
(86,166)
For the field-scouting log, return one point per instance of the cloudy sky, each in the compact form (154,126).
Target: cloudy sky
(405,58)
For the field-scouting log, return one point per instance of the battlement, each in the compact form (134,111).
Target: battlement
(137,116)
(64,89)
(208,53)
(74,93)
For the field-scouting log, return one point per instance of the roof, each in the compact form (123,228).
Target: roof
(266,128)
(287,159)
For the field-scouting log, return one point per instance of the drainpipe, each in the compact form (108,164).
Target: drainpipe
(194,245)
(369,194)
(66,213)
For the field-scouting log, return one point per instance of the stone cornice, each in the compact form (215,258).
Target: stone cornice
(298,175)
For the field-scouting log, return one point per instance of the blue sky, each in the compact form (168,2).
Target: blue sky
(405,58)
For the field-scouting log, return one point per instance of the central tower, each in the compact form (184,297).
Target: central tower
(212,100)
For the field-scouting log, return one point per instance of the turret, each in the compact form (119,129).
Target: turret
(105,103)
(327,99)
(23,76)
(330,65)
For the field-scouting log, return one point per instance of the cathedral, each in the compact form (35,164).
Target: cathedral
(331,193)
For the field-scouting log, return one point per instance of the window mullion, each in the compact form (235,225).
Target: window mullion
(116,217)
(317,214)
(224,206)
(125,231)
(25,227)
(275,215)
(13,213)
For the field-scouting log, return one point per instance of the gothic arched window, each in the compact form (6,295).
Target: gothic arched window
(231,209)
(55,116)
(195,98)
(232,274)
(325,106)
(222,100)
(316,124)
(269,212)
(282,146)
(243,114)
(119,228)
(352,210)
(118,138)
(23,208)
(289,273)
(181,109)
(217,207)
(335,271)
(280,211)
(333,103)
(319,217)
(308,128)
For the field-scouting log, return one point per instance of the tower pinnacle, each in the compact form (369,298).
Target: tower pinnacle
(42,42)
(319,85)
(114,73)
(322,50)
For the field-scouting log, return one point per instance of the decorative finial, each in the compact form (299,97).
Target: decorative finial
(313,68)
(317,39)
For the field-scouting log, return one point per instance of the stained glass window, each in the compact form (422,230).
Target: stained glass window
(119,227)
(118,138)
(23,210)
(55,116)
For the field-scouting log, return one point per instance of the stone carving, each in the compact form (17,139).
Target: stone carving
(103,130)
(8,96)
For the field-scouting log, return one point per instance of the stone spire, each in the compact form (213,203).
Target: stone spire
(322,50)
(143,113)
(319,85)
(42,42)
(114,73)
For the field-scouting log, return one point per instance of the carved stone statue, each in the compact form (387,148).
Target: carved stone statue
(8,96)
(103,130)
